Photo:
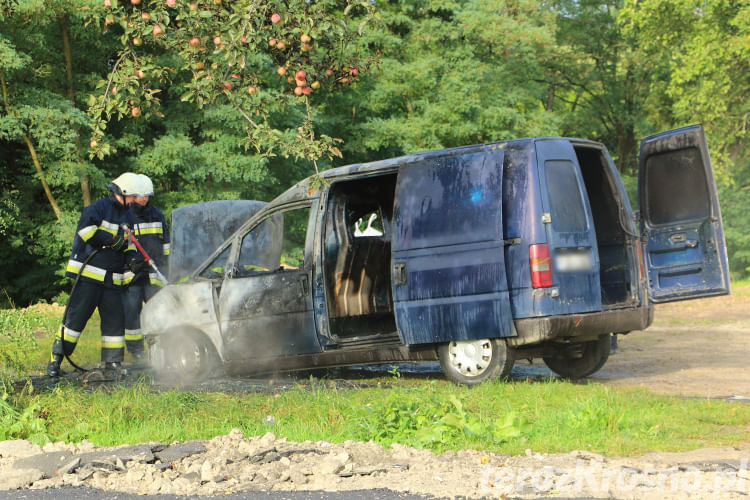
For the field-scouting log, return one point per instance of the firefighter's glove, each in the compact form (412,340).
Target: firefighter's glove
(119,243)
(137,265)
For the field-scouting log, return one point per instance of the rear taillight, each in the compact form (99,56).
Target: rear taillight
(541,268)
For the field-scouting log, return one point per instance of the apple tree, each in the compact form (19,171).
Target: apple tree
(270,62)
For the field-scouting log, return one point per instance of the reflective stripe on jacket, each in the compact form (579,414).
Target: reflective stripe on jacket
(153,235)
(97,227)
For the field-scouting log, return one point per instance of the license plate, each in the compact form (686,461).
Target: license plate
(571,261)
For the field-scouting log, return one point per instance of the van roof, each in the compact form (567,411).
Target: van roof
(302,189)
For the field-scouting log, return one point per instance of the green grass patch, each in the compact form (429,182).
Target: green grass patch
(550,416)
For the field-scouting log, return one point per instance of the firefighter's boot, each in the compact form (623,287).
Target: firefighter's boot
(114,371)
(55,359)
(53,367)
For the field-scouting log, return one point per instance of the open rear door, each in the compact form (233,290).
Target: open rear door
(681,227)
(448,262)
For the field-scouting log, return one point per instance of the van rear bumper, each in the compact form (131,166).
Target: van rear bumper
(583,326)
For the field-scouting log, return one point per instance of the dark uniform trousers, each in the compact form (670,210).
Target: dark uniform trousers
(86,297)
(133,298)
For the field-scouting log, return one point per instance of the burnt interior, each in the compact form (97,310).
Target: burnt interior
(615,262)
(357,256)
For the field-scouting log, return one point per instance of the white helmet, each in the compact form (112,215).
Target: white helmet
(127,184)
(147,187)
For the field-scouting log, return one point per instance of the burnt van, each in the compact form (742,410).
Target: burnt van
(474,256)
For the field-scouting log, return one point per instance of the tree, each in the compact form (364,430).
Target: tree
(450,73)
(266,61)
(705,44)
(601,75)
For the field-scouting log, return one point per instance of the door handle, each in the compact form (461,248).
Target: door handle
(399,273)
(303,285)
(678,238)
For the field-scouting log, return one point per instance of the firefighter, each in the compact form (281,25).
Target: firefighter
(151,232)
(98,264)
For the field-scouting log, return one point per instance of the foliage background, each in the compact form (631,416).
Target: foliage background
(434,74)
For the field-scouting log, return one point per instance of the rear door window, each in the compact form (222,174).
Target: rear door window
(565,197)
(680,172)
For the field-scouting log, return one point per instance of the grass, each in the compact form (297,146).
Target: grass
(545,416)
(550,416)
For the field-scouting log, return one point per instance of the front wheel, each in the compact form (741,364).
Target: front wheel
(471,362)
(580,359)
(185,354)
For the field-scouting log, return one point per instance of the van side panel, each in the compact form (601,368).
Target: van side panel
(448,268)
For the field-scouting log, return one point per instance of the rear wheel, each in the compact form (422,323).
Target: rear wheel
(184,354)
(471,362)
(580,359)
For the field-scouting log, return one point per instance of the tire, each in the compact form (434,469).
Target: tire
(593,356)
(472,362)
(185,355)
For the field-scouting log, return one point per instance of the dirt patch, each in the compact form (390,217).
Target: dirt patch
(694,348)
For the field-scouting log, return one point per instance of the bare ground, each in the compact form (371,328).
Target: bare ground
(694,348)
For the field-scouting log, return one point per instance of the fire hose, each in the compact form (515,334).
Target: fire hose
(130,236)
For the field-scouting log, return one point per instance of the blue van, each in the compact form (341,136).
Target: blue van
(474,256)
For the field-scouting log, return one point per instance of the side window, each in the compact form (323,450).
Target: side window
(275,244)
(217,267)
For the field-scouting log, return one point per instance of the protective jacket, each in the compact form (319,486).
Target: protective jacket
(151,232)
(98,225)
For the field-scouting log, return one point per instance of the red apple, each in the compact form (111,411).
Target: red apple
(227,86)
(306,90)
(107,3)
(195,41)
(235,75)
(217,40)
(250,89)
(297,90)
(243,39)
(139,73)
(114,90)
(171,3)
(275,18)
(281,70)
(157,30)
(135,2)
(329,72)
(93,143)
(145,16)
(305,38)
(354,72)
(272,42)
(300,75)
(135,111)
(281,44)
(300,83)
